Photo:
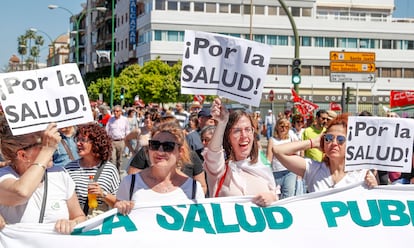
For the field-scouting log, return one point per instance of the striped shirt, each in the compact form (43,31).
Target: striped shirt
(108,180)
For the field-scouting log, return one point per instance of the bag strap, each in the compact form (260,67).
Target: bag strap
(131,188)
(68,151)
(220,184)
(42,210)
(95,179)
(193,196)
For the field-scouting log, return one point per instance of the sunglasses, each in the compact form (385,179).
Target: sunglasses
(329,138)
(167,146)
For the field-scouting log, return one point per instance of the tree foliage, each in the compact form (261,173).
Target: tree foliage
(154,82)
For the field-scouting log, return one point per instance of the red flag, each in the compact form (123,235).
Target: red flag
(401,98)
(303,106)
(199,98)
(335,106)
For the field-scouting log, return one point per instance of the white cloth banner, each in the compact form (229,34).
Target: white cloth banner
(347,217)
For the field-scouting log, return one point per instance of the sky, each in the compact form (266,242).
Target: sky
(17,16)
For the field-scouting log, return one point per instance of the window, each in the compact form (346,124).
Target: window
(198,7)
(172,5)
(386,44)
(160,4)
(318,41)
(272,39)
(157,35)
(410,44)
(272,10)
(305,70)
(283,70)
(385,72)
(211,7)
(295,11)
(352,43)
(173,36)
(408,73)
(235,9)
(185,6)
(259,38)
(307,12)
(329,42)
(306,41)
(246,9)
(259,10)
(396,72)
(317,71)
(282,12)
(272,70)
(282,40)
(224,8)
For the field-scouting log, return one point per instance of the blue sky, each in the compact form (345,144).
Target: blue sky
(17,16)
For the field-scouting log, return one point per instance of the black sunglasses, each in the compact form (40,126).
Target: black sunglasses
(329,138)
(167,146)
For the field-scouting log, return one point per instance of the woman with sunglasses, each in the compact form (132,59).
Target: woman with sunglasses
(32,189)
(330,173)
(231,158)
(163,182)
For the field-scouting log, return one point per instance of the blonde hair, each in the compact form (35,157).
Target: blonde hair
(279,122)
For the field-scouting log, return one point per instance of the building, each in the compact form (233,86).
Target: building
(323,26)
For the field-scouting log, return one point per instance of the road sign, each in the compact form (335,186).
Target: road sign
(271,95)
(352,67)
(353,77)
(352,56)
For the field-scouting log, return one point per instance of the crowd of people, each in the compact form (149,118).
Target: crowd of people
(172,155)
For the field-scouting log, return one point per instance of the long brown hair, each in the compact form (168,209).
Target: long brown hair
(233,118)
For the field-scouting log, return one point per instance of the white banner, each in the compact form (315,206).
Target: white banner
(347,217)
(381,143)
(32,99)
(215,64)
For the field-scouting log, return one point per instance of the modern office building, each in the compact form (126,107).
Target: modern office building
(147,29)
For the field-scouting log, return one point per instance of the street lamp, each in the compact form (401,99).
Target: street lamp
(77,23)
(112,53)
(52,42)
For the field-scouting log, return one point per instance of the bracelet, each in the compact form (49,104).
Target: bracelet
(40,165)
(311,144)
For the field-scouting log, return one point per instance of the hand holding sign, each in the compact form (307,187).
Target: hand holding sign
(32,99)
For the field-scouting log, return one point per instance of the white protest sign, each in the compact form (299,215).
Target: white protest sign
(215,64)
(33,99)
(379,143)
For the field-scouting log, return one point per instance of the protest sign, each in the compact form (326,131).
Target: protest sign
(379,143)
(32,99)
(342,217)
(215,64)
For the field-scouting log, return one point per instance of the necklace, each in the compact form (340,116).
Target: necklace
(162,186)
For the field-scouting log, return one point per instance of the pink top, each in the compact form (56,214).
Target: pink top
(242,178)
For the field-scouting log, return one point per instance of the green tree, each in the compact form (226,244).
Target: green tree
(25,45)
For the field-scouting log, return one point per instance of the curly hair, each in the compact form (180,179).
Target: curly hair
(101,143)
(233,119)
(341,120)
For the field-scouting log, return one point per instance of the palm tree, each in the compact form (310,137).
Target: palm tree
(25,45)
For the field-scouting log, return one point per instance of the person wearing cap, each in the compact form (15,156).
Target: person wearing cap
(205,119)
(270,120)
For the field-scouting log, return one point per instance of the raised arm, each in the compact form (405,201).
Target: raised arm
(286,154)
(219,113)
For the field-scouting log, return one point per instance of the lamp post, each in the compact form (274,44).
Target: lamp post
(52,42)
(112,53)
(77,23)
(295,33)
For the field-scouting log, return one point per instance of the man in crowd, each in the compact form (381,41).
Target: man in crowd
(315,130)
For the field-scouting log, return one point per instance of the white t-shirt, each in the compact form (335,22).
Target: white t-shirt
(318,177)
(144,194)
(60,188)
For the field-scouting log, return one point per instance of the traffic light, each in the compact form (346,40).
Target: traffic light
(122,93)
(296,71)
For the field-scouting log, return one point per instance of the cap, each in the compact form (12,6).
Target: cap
(257,112)
(204,112)
(331,114)
(269,111)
